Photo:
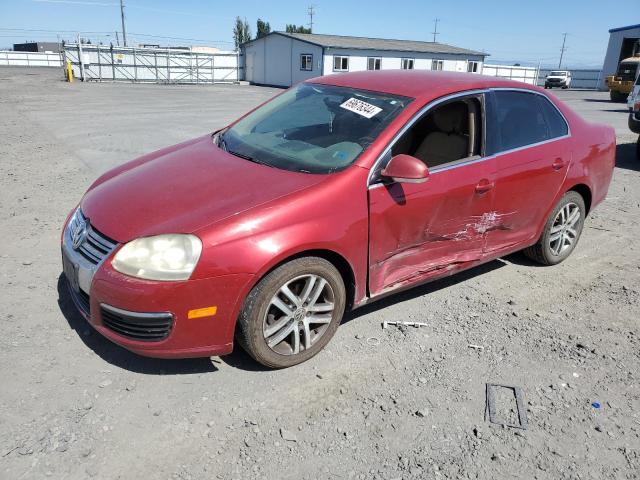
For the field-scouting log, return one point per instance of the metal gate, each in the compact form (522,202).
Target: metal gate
(151,65)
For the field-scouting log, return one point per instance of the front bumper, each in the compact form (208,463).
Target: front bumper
(555,83)
(99,289)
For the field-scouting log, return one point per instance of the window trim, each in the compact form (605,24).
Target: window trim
(408,59)
(334,63)
(310,62)
(374,63)
(471,160)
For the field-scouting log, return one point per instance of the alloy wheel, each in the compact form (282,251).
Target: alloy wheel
(565,228)
(298,314)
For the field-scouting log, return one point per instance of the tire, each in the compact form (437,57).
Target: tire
(616,96)
(261,323)
(638,148)
(549,252)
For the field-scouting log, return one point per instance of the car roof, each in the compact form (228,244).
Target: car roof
(423,84)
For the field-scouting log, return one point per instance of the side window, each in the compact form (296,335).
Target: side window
(340,64)
(520,119)
(306,62)
(373,63)
(445,134)
(407,64)
(555,121)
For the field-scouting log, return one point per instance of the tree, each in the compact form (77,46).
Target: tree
(262,28)
(297,29)
(241,32)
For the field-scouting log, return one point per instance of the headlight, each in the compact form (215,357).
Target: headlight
(163,257)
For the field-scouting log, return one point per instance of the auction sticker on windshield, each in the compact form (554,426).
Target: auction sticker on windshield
(361,108)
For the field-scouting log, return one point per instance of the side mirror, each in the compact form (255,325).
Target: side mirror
(406,169)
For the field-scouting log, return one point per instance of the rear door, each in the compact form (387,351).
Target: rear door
(531,142)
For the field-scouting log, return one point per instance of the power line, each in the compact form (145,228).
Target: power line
(435,28)
(562,50)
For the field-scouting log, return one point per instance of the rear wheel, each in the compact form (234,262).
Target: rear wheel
(638,148)
(292,313)
(561,232)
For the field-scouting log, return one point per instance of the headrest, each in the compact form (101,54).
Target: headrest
(450,118)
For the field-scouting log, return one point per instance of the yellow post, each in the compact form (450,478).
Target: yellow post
(69,72)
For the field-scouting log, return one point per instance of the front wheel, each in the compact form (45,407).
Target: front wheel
(561,232)
(292,313)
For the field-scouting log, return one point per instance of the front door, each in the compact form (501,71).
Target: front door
(418,231)
(426,230)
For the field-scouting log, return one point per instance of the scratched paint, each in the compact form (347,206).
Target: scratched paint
(436,255)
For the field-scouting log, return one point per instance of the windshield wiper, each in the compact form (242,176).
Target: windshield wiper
(247,157)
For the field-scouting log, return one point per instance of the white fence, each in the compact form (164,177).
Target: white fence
(30,59)
(151,65)
(520,74)
(580,78)
(588,79)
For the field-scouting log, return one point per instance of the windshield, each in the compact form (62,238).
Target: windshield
(628,71)
(558,74)
(312,128)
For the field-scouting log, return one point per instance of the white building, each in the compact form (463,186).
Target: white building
(284,59)
(621,44)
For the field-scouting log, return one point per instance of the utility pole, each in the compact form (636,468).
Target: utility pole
(124,31)
(311,14)
(435,28)
(564,39)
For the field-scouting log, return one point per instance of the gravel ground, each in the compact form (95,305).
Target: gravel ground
(376,404)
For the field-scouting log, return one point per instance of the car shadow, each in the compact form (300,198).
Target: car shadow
(118,356)
(599,100)
(425,289)
(626,157)
(616,110)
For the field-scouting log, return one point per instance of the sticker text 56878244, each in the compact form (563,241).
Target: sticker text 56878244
(361,108)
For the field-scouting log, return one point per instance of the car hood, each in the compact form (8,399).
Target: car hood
(183,189)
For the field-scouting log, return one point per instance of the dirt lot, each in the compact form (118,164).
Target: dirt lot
(377,404)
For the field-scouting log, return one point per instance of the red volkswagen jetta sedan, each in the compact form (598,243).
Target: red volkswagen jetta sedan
(335,193)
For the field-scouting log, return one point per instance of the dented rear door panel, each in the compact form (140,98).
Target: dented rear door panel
(422,231)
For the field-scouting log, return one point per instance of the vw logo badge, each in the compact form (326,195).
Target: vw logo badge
(79,234)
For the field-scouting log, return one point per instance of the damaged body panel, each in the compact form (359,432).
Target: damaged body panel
(419,230)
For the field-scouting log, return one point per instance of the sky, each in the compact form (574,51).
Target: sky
(509,30)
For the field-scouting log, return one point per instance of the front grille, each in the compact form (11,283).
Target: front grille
(148,327)
(96,246)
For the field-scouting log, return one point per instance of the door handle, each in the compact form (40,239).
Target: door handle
(558,164)
(484,186)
